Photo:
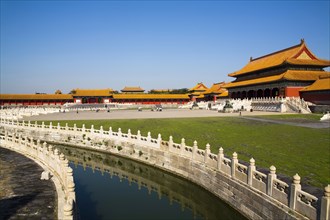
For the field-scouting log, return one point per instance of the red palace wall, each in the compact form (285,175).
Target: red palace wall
(292,91)
(316,97)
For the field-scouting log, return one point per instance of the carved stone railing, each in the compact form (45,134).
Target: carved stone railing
(297,104)
(56,165)
(185,160)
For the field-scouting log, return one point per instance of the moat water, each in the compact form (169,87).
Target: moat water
(111,187)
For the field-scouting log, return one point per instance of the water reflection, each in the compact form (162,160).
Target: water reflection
(110,187)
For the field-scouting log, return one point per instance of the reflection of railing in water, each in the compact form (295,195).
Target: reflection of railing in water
(175,189)
(225,177)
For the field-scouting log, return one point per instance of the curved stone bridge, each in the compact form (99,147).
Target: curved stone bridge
(253,193)
(54,164)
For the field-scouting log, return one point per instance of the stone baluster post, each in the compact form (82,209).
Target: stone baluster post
(159,140)
(29,124)
(170,143)
(36,124)
(129,134)
(6,136)
(325,204)
(23,123)
(62,158)
(234,161)
(83,129)
(43,126)
(50,125)
(270,180)
(207,152)
(194,150)
(110,131)
(251,170)
(74,128)
(92,129)
(56,153)
(38,144)
(220,158)
(119,133)
(58,126)
(183,145)
(295,186)
(66,127)
(50,148)
(138,135)
(101,130)
(149,137)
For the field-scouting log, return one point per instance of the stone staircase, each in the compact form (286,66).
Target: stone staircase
(297,105)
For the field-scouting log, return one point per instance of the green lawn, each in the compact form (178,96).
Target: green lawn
(290,149)
(293,117)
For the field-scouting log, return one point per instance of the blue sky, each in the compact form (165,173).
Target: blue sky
(50,45)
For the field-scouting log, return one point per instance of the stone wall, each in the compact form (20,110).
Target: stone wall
(255,194)
(56,166)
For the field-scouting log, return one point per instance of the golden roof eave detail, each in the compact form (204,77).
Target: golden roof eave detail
(288,55)
(290,75)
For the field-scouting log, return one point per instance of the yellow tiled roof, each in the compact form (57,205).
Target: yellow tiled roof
(289,55)
(132,89)
(196,93)
(323,83)
(216,88)
(224,94)
(199,87)
(92,92)
(318,62)
(301,75)
(150,96)
(36,97)
(291,75)
(201,96)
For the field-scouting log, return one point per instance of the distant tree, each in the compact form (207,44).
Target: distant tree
(58,92)
(153,91)
(179,91)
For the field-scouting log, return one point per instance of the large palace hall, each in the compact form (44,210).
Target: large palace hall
(291,72)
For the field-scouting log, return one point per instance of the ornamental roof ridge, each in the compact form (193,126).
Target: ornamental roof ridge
(279,51)
(295,55)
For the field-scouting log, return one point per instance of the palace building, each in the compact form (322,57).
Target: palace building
(134,90)
(92,95)
(318,92)
(35,99)
(214,92)
(283,73)
(291,72)
(151,98)
(196,91)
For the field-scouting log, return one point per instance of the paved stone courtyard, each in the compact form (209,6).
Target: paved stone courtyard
(134,114)
(22,194)
(166,113)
